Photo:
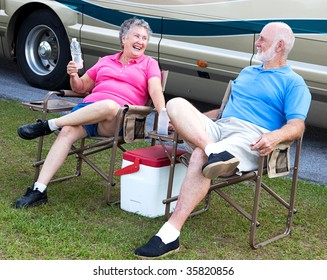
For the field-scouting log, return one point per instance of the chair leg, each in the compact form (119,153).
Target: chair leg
(255,210)
(289,206)
(207,200)
(74,151)
(79,162)
(40,145)
(171,174)
(38,158)
(236,206)
(110,182)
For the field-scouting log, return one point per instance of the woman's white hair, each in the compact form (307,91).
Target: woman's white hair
(128,24)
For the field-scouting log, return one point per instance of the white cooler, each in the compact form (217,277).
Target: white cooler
(143,191)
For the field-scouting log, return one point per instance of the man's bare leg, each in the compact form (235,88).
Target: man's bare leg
(188,122)
(194,188)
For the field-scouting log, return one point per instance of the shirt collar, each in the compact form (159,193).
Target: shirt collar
(282,69)
(116,57)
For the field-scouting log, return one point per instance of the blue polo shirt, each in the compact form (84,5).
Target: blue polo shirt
(268,98)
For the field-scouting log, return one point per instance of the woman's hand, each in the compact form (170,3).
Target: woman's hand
(171,127)
(72,69)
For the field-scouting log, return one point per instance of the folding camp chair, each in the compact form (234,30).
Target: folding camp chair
(257,176)
(131,118)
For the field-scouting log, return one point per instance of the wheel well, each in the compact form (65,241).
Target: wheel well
(17,20)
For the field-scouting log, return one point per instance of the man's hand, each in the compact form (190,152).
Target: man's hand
(292,130)
(266,143)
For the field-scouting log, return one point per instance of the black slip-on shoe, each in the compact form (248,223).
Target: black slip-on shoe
(32,198)
(220,165)
(156,248)
(34,130)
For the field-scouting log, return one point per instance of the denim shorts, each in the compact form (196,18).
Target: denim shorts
(91,129)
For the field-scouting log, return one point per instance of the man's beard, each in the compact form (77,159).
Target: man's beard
(267,55)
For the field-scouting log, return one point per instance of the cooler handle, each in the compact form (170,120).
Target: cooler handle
(129,168)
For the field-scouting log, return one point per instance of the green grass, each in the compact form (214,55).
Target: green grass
(76,224)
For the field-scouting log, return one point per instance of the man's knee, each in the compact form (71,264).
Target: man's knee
(174,105)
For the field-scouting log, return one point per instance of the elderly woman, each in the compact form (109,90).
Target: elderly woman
(128,77)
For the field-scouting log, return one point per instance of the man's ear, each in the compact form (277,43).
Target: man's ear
(280,46)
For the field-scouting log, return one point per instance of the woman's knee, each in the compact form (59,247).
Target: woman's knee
(71,134)
(107,108)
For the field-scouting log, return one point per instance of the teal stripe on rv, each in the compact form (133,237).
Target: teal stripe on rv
(177,27)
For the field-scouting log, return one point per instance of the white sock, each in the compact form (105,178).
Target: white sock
(52,124)
(213,148)
(168,233)
(39,186)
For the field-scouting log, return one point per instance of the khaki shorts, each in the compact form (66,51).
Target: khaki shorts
(235,136)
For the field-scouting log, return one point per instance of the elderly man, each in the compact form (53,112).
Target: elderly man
(268,105)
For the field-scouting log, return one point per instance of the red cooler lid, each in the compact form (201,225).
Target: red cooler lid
(153,156)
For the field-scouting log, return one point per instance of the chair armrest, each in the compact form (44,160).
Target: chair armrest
(49,104)
(70,93)
(138,109)
(278,161)
(134,122)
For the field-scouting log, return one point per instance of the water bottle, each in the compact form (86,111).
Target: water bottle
(76,53)
(163,122)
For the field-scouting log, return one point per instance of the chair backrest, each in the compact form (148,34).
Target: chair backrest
(164,78)
(225,99)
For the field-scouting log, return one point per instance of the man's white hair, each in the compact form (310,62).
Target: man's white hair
(283,32)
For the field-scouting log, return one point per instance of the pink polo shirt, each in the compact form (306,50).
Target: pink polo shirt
(123,84)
